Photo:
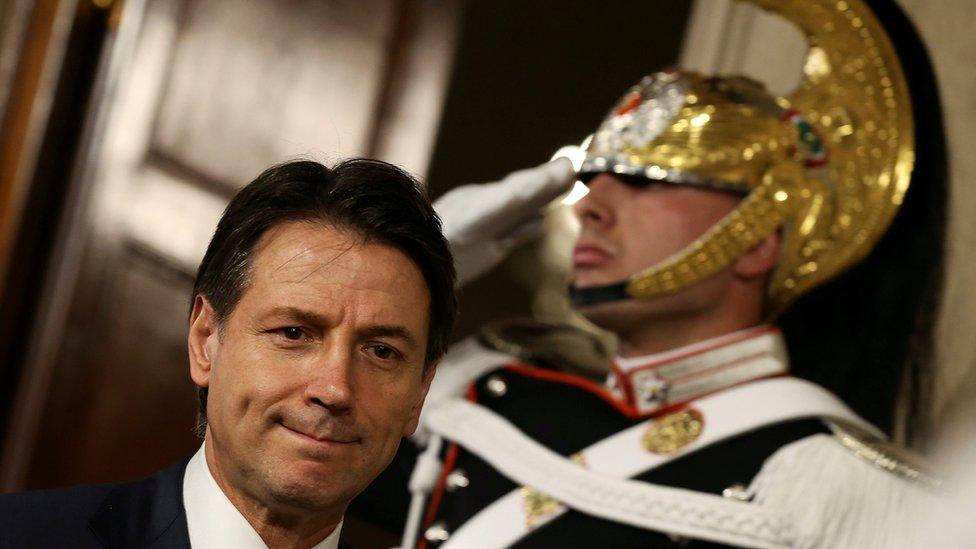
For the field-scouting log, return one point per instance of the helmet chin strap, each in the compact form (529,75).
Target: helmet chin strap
(594,295)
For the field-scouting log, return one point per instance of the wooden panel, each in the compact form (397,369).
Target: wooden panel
(172,218)
(34,40)
(56,75)
(126,407)
(256,82)
(417,85)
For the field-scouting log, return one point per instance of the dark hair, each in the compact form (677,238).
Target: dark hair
(377,200)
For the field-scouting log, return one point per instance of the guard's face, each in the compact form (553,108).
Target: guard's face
(627,228)
(318,373)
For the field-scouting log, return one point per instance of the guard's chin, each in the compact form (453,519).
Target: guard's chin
(605,315)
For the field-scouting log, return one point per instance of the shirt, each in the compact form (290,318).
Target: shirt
(212,519)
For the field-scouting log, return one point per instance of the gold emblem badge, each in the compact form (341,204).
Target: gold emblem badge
(672,432)
(540,507)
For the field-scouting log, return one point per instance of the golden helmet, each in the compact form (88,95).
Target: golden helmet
(828,166)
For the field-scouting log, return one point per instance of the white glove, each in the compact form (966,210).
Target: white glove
(483,223)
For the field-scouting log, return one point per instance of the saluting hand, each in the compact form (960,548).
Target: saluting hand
(484,222)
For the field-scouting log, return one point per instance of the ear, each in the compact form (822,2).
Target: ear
(202,341)
(411,426)
(760,260)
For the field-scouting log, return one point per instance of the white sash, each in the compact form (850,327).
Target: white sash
(602,490)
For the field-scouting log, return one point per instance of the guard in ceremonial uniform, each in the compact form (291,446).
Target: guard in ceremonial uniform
(707,439)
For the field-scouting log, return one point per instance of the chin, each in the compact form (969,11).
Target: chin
(298,490)
(606,315)
(624,315)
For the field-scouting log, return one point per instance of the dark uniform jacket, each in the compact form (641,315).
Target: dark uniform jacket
(567,418)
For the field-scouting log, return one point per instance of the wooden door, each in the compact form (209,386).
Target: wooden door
(199,97)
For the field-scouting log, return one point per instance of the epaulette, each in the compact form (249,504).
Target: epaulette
(884,454)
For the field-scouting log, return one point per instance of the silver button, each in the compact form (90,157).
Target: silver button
(737,492)
(496,386)
(437,533)
(651,389)
(456,479)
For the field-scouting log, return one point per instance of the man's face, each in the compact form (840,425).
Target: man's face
(319,371)
(626,229)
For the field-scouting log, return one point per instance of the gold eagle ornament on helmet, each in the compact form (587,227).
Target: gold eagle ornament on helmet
(828,166)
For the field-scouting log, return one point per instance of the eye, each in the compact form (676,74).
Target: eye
(381,351)
(290,334)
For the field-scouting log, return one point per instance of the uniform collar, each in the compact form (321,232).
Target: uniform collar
(654,382)
(212,519)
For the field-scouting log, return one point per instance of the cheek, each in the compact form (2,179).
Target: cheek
(389,405)
(656,233)
(667,225)
(250,381)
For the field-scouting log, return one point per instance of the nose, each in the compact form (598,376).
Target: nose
(596,209)
(330,384)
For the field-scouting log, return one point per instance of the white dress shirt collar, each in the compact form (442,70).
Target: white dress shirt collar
(212,519)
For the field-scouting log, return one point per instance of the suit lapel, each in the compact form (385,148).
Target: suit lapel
(145,513)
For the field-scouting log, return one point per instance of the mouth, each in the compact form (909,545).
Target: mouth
(590,255)
(321,440)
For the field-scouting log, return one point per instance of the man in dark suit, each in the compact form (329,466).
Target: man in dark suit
(323,302)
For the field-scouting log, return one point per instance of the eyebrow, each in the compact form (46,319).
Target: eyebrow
(388,330)
(315,319)
(307,317)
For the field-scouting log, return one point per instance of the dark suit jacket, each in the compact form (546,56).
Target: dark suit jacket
(144,513)
(147,513)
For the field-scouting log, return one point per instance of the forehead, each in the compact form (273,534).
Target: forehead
(316,264)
